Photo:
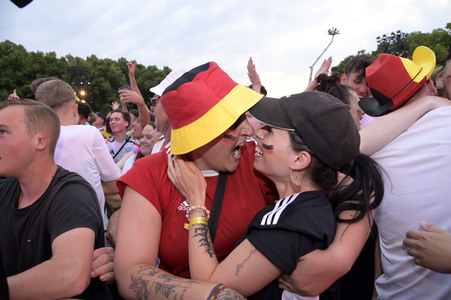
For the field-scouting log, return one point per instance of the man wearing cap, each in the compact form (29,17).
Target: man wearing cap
(416,165)
(162,123)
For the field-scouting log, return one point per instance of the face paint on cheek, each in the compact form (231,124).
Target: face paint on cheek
(229,139)
(268,149)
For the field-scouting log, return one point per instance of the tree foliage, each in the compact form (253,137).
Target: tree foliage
(98,78)
(396,42)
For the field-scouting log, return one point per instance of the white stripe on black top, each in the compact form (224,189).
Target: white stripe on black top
(272,217)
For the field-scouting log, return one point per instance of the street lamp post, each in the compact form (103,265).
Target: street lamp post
(333,31)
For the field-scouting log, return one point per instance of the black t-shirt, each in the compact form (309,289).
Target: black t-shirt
(27,234)
(290,228)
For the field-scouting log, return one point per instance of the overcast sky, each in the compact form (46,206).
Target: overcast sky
(284,37)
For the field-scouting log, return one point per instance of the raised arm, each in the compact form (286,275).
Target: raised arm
(128,96)
(144,116)
(323,69)
(66,274)
(385,129)
(13,95)
(253,76)
(131,75)
(245,270)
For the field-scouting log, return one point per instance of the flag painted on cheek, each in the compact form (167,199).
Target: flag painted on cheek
(268,149)
(229,139)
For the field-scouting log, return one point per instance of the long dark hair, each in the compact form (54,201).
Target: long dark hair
(362,182)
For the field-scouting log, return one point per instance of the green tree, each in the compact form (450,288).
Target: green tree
(341,65)
(439,41)
(20,67)
(98,78)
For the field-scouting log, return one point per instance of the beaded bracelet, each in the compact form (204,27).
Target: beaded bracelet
(198,220)
(191,208)
(215,291)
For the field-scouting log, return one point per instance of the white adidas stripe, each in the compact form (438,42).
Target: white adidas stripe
(272,217)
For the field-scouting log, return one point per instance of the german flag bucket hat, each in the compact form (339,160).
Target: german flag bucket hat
(202,104)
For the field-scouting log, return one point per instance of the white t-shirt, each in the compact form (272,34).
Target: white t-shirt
(129,163)
(418,164)
(117,151)
(82,149)
(161,146)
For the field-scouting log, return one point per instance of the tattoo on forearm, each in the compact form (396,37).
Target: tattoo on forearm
(241,265)
(229,295)
(201,232)
(139,287)
(151,281)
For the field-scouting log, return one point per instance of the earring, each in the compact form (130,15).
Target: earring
(295,180)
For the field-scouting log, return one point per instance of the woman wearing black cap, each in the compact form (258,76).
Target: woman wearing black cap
(308,139)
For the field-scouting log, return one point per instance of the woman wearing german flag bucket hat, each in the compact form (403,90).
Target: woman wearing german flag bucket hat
(206,109)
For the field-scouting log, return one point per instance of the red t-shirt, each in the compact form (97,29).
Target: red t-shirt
(247,192)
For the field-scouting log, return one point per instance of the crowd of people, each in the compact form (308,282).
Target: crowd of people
(217,191)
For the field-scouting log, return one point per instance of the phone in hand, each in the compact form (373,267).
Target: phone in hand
(124,87)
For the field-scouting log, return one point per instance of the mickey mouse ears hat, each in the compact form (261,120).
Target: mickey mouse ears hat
(393,80)
(202,104)
(323,123)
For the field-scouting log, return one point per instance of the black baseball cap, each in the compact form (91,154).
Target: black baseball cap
(323,123)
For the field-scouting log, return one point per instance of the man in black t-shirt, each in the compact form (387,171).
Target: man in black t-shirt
(49,216)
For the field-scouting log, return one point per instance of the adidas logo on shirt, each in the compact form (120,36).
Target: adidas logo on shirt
(184,205)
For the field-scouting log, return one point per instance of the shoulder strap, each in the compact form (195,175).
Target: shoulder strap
(217,204)
(126,141)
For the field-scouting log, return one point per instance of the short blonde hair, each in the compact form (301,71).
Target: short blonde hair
(39,117)
(54,93)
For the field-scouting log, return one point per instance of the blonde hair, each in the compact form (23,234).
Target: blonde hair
(54,93)
(39,117)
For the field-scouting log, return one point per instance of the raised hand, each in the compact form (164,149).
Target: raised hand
(253,76)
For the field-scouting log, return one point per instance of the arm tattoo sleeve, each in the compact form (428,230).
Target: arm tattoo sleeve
(150,281)
(201,232)
(229,294)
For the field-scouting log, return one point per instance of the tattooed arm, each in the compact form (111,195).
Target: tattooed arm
(136,254)
(153,283)
(245,270)
(137,243)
